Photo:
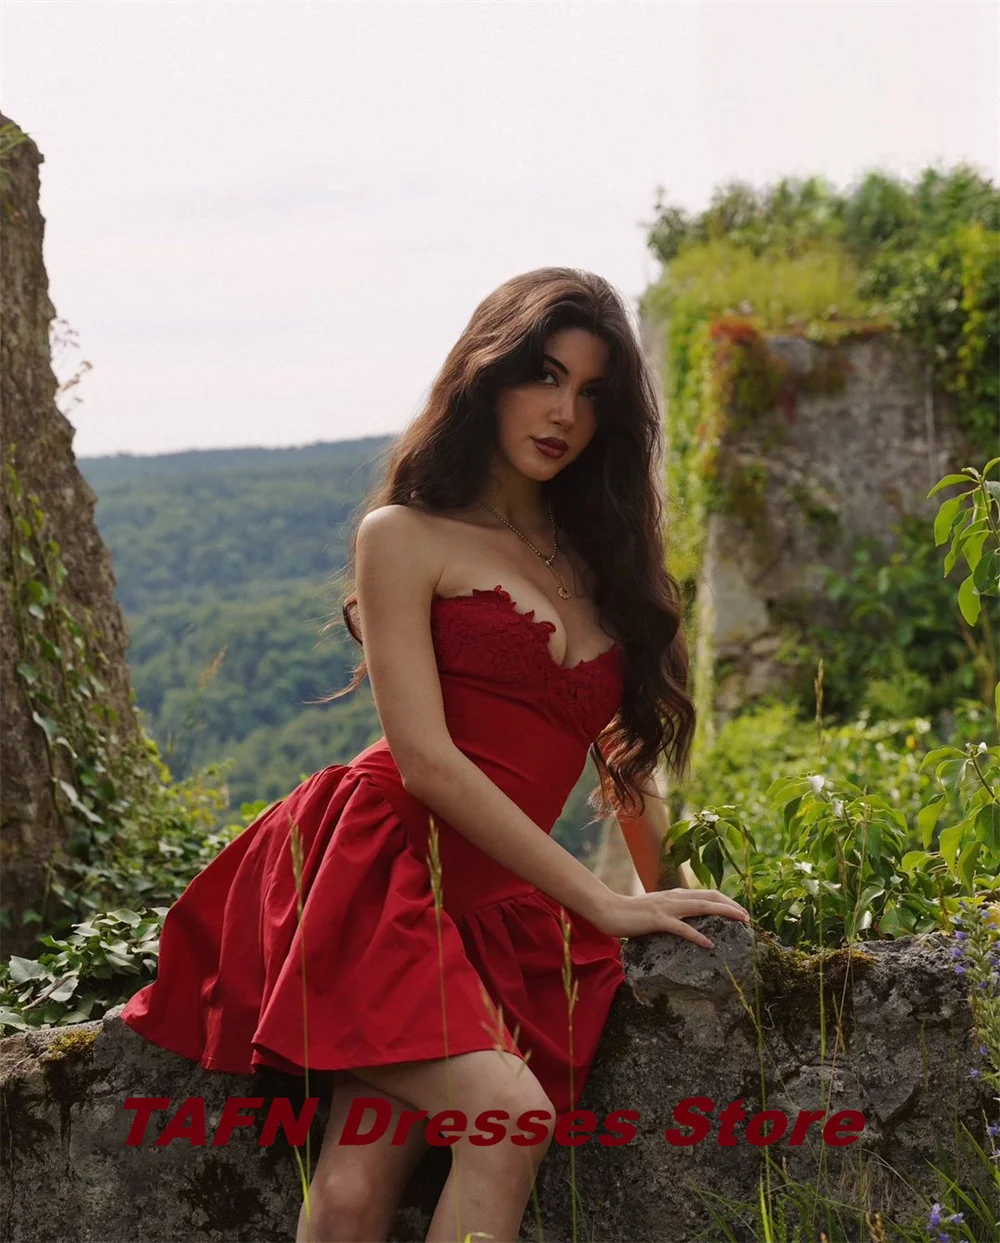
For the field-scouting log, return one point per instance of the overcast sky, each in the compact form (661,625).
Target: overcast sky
(268,222)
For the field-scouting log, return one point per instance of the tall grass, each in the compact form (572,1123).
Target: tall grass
(305,1174)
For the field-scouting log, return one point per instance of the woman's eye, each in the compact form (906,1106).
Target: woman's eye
(595,393)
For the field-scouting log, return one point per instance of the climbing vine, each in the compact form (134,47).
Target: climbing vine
(919,261)
(131,833)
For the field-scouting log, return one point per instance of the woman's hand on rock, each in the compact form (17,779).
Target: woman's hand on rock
(665,910)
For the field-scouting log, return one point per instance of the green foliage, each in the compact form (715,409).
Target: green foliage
(848,859)
(228,524)
(105,958)
(899,646)
(81,976)
(227,563)
(211,676)
(132,835)
(789,1211)
(921,259)
(58,653)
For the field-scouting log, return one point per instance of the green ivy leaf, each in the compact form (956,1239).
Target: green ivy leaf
(988,826)
(939,753)
(927,818)
(65,990)
(950,841)
(47,724)
(946,516)
(948,479)
(22,969)
(10,1018)
(965,868)
(968,601)
(126,916)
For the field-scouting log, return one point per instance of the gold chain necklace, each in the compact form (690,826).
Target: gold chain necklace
(563,591)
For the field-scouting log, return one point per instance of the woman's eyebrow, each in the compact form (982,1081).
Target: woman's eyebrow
(565,370)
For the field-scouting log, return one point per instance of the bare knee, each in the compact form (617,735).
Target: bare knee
(528,1128)
(346,1198)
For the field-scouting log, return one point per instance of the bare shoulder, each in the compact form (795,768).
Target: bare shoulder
(402,543)
(398,529)
(397,569)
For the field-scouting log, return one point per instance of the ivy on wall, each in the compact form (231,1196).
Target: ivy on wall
(921,260)
(132,834)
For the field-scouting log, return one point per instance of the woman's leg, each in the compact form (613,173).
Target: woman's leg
(355,1188)
(489,1186)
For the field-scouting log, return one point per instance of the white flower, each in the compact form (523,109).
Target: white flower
(838,807)
(981,748)
(817,783)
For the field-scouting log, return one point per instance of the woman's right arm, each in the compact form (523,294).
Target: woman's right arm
(398,567)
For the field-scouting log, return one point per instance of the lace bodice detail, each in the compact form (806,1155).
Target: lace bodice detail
(485,634)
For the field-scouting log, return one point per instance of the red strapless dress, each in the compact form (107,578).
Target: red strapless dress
(239,970)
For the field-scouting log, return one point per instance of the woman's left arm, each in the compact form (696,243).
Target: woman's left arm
(644,835)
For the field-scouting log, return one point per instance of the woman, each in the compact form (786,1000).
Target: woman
(515,613)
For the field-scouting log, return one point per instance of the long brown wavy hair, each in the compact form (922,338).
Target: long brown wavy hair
(608,501)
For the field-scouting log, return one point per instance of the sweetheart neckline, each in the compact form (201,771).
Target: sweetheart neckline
(500,594)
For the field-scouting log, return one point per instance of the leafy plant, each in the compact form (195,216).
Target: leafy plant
(848,863)
(134,837)
(899,646)
(107,957)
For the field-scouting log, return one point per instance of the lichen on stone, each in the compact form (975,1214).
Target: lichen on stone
(69,1044)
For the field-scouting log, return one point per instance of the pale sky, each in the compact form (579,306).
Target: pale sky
(268,222)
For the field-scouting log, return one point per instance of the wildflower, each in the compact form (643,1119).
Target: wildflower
(981,748)
(957,952)
(974,1073)
(817,782)
(959,969)
(838,807)
(935,1217)
(993,1130)
(961,936)
(956,1219)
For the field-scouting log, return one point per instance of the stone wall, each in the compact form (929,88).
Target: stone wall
(31,828)
(803,482)
(738,1022)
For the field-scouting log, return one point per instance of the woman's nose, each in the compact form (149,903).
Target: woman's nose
(565,412)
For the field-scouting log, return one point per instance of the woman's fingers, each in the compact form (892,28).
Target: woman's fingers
(681,929)
(710,900)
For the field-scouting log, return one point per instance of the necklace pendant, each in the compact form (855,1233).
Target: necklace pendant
(564,593)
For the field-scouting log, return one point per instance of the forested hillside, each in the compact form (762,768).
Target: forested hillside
(228,562)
